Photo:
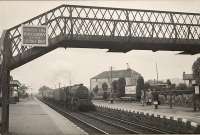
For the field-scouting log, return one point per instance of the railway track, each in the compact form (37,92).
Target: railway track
(92,125)
(139,128)
(108,126)
(87,127)
(98,123)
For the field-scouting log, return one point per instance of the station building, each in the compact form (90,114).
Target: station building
(130,76)
(14,95)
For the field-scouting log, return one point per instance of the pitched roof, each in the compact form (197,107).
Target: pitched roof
(117,74)
(15,83)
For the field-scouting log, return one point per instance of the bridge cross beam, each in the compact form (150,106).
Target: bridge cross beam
(129,24)
(71,22)
(174,26)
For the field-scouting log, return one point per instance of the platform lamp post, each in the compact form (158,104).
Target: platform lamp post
(196,94)
(170,99)
(70,81)
(170,92)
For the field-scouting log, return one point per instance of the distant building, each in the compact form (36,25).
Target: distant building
(129,75)
(14,85)
(176,81)
(160,84)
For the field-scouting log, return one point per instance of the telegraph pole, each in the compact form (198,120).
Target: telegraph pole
(70,79)
(156,72)
(59,84)
(111,88)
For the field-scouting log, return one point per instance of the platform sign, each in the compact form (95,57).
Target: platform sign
(34,35)
(193,82)
(130,90)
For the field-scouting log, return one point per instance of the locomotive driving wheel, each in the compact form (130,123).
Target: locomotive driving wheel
(76,104)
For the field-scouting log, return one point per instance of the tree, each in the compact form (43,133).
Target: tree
(169,82)
(105,89)
(196,70)
(196,76)
(22,90)
(146,85)
(139,87)
(181,86)
(173,85)
(96,89)
(115,86)
(121,86)
(105,86)
(43,89)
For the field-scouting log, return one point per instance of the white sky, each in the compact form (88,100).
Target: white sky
(83,64)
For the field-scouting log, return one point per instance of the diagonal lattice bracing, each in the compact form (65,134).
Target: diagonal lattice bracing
(100,24)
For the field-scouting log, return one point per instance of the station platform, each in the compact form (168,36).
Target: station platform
(32,117)
(187,114)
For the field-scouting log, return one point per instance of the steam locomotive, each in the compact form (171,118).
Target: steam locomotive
(75,98)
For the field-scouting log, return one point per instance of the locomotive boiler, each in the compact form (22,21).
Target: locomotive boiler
(76,97)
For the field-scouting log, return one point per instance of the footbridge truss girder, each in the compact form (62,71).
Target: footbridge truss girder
(116,29)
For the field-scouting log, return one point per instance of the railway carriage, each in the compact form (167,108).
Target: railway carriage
(47,94)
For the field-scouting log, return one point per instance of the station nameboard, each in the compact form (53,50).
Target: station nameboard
(34,36)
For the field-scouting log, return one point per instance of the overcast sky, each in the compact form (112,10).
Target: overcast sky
(83,64)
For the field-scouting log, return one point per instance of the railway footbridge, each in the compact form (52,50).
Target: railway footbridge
(115,29)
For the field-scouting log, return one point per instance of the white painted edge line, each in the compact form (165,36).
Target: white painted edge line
(194,124)
(49,111)
(184,120)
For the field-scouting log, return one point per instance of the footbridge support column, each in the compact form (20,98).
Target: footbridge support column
(6,54)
